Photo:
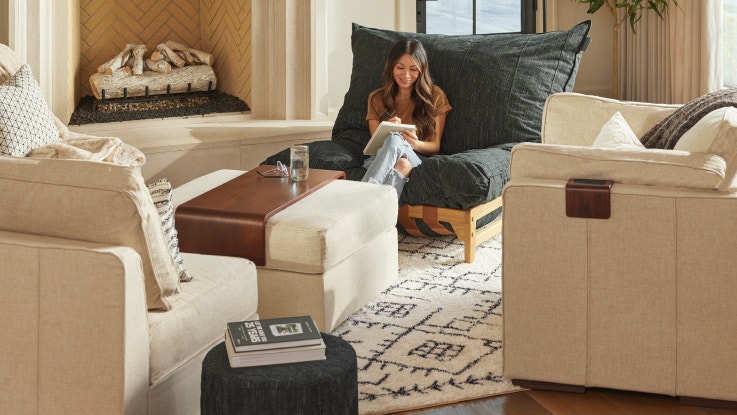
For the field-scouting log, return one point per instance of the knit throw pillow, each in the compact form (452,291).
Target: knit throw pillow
(161,196)
(26,122)
(666,133)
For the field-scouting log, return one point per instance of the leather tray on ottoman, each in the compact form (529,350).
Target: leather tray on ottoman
(327,254)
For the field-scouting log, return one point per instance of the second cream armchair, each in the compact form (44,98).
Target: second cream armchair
(643,300)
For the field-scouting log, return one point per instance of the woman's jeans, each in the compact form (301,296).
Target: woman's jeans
(380,168)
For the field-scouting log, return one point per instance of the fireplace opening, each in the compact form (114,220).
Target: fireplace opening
(137,50)
(173,80)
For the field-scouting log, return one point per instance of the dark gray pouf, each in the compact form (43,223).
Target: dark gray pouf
(318,387)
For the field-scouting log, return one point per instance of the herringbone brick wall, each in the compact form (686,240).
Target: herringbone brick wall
(219,27)
(226,32)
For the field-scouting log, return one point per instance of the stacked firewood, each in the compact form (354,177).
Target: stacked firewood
(131,59)
(193,71)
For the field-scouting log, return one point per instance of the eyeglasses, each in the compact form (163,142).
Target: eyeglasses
(279,171)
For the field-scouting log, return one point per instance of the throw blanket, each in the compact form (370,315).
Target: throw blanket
(103,149)
(666,133)
(76,146)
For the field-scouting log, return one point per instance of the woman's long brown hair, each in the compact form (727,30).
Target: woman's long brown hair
(424,112)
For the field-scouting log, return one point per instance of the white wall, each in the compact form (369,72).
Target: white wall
(341,14)
(596,70)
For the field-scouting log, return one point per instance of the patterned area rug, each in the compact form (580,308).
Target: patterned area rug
(434,337)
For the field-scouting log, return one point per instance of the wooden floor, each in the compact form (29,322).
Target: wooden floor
(593,402)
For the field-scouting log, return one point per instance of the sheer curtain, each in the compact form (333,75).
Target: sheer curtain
(675,60)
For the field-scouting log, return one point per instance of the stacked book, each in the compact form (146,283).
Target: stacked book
(273,341)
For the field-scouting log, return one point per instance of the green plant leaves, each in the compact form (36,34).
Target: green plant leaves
(633,8)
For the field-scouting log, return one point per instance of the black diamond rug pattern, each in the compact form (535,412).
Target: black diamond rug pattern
(435,336)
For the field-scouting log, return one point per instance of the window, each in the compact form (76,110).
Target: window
(730,43)
(464,17)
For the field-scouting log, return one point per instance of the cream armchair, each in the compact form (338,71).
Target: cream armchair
(94,317)
(643,300)
(87,325)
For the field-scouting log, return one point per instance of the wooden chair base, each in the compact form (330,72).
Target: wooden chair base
(462,221)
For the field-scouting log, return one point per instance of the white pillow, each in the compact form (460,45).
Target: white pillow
(711,134)
(617,133)
(715,133)
(26,122)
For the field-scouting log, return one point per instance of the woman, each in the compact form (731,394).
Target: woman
(407,97)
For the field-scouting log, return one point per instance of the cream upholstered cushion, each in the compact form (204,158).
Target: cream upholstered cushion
(715,133)
(318,232)
(616,133)
(89,201)
(669,168)
(222,289)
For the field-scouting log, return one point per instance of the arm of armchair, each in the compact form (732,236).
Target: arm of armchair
(75,331)
(89,201)
(667,168)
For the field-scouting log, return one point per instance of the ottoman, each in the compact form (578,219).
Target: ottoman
(327,387)
(327,254)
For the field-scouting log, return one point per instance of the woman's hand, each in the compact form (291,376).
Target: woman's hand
(411,138)
(428,147)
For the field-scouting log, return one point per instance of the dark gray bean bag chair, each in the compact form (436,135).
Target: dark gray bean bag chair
(497,85)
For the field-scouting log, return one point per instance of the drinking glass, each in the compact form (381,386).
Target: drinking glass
(299,162)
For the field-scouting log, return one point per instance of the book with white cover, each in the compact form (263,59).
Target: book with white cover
(273,356)
(382,131)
